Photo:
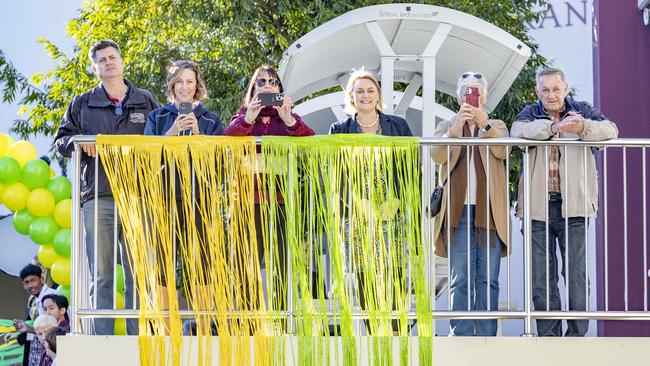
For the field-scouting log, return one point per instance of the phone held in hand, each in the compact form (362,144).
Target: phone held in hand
(185,108)
(471,96)
(275,99)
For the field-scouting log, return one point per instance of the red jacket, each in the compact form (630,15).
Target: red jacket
(275,127)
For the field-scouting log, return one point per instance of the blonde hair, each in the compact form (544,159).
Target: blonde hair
(45,321)
(350,108)
(174,74)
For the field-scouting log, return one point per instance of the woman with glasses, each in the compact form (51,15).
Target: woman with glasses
(476,221)
(257,118)
(183,114)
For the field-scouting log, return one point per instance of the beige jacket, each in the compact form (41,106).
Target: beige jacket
(498,178)
(576,184)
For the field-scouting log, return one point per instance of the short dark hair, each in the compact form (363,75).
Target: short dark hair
(60,300)
(30,270)
(50,337)
(100,45)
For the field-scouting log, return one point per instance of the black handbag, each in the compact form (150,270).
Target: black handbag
(435,201)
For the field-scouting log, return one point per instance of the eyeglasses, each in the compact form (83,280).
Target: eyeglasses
(118,108)
(261,82)
(475,75)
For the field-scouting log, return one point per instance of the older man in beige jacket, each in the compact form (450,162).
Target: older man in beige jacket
(557,202)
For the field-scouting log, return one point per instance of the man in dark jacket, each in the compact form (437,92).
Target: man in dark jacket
(114,107)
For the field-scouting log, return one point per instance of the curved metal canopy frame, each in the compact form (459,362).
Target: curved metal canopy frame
(424,46)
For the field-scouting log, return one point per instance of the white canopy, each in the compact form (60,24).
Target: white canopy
(420,45)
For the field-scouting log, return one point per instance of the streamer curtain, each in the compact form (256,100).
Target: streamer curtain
(191,200)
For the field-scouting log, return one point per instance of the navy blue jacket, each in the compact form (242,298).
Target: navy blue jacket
(536,111)
(390,126)
(92,113)
(161,120)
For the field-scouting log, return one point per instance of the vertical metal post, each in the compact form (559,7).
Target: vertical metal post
(645,238)
(78,272)
(567,274)
(528,322)
(508,205)
(606,231)
(625,271)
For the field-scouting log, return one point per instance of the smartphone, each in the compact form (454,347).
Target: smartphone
(471,96)
(185,108)
(275,99)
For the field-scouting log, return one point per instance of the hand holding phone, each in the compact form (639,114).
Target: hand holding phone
(471,96)
(271,99)
(185,108)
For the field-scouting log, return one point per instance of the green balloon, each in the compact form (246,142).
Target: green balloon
(36,174)
(9,170)
(42,230)
(22,220)
(60,187)
(64,290)
(62,243)
(119,278)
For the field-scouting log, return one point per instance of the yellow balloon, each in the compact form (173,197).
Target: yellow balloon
(60,271)
(14,196)
(9,138)
(52,172)
(23,151)
(4,145)
(40,202)
(47,256)
(62,213)
(120,327)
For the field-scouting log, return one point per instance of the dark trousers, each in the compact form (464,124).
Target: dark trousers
(574,277)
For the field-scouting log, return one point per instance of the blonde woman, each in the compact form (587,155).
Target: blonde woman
(363,101)
(469,213)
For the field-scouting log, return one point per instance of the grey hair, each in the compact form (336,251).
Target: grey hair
(470,79)
(45,321)
(550,71)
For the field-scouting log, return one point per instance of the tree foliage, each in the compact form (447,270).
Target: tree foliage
(228,39)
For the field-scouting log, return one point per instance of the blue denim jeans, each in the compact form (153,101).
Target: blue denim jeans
(577,279)
(476,280)
(103,284)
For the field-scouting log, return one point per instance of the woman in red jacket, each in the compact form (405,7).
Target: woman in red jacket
(255,119)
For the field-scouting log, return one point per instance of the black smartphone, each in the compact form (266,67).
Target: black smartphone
(271,98)
(185,108)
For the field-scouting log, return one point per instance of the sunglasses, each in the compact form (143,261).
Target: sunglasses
(475,75)
(118,108)
(261,82)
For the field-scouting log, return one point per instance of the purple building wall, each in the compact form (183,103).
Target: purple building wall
(622,93)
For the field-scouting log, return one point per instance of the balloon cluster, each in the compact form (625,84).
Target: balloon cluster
(41,203)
